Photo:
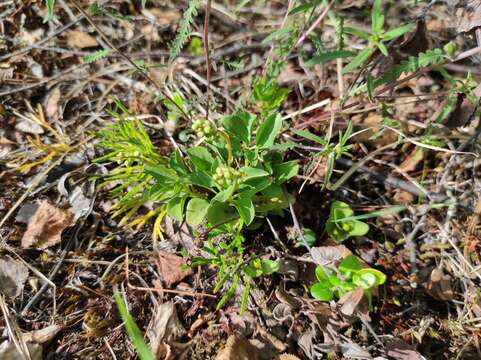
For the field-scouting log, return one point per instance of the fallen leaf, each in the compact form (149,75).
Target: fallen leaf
(13,274)
(238,348)
(8,351)
(52,104)
(399,350)
(29,126)
(287,357)
(46,226)
(80,39)
(403,197)
(170,268)
(162,17)
(439,285)
(417,42)
(328,255)
(165,326)
(353,303)
(351,350)
(468,15)
(43,335)
(412,160)
(80,204)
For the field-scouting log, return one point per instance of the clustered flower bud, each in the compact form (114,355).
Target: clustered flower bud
(225,176)
(203,127)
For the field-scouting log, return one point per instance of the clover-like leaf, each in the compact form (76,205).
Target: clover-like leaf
(321,292)
(368,278)
(269,266)
(350,264)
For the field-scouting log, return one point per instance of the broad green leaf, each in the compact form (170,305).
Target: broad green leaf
(220,213)
(161,173)
(321,293)
(177,163)
(196,211)
(268,131)
(321,275)
(175,207)
(371,277)
(349,264)
(331,55)
(201,158)
(334,280)
(224,195)
(133,330)
(251,172)
(245,207)
(359,60)
(357,32)
(310,236)
(269,266)
(394,33)
(239,125)
(358,228)
(201,178)
(309,136)
(285,171)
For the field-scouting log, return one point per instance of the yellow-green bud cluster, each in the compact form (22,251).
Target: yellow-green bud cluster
(203,127)
(225,176)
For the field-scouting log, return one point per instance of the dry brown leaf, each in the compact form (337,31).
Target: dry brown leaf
(468,15)
(412,160)
(399,350)
(287,357)
(162,17)
(439,285)
(238,348)
(328,255)
(13,274)
(170,268)
(46,226)
(402,197)
(165,326)
(353,303)
(80,39)
(52,105)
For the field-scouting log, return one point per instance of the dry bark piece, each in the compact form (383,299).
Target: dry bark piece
(170,268)
(13,275)
(43,335)
(238,348)
(165,326)
(46,226)
(80,39)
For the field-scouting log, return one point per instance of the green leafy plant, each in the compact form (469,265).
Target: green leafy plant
(184,31)
(335,282)
(340,227)
(376,39)
(133,330)
(234,173)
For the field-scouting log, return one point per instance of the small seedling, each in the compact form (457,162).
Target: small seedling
(334,283)
(376,39)
(339,227)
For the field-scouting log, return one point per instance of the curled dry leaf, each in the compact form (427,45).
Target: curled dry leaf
(238,348)
(46,226)
(13,275)
(80,39)
(52,104)
(165,326)
(353,303)
(328,255)
(170,268)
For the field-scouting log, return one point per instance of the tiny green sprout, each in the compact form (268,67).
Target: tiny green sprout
(450,49)
(340,227)
(334,283)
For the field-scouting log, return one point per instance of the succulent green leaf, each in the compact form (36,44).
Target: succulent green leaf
(268,131)
(321,293)
(196,211)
